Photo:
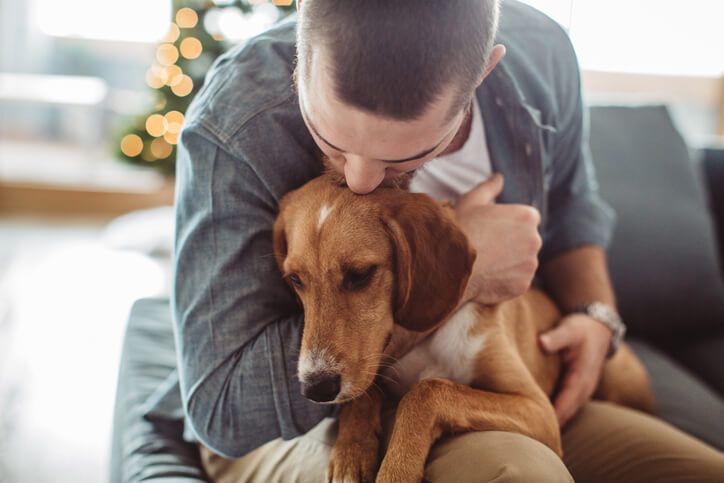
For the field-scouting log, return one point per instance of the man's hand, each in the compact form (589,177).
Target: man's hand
(506,239)
(583,343)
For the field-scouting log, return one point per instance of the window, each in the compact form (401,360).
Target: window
(668,37)
(129,20)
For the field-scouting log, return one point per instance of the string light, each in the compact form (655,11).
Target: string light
(173,75)
(147,155)
(153,80)
(131,145)
(166,54)
(184,87)
(156,125)
(171,138)
(191,47)
(186,18)
(173,33)
(175,120)
(160,148)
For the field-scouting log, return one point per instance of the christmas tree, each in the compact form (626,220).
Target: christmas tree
(200,31)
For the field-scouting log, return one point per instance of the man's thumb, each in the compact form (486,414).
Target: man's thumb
(556,339)
(484,193)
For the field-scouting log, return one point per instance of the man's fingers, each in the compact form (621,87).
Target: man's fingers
(484,193)
(558,338)
(566,402)
(573,394)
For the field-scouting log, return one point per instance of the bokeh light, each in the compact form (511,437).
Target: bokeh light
(160,148)
(173,33)
(166,54)
(153,79)
(156,125)
(191,47)
(175,120)
(131,145)
(184,87)
(173,75)
(186,18)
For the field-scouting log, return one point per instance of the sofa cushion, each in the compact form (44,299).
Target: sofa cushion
(662,258)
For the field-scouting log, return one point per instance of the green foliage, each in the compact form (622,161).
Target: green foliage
(176,78)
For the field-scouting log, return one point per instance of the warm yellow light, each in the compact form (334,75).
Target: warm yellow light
(283,3)
(147,155)
(175,120)
(184,87)
(186,18)
(217,37)
(173,33)
(156,125)
(160,104)
(160,148)
(131,145)
(166,54)
(191,47)
(173,75)
(171,138)
(153,80)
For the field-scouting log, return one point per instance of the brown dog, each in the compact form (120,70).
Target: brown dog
(360,264)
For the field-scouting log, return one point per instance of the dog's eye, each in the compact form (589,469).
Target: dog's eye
(295,280)
(355,280)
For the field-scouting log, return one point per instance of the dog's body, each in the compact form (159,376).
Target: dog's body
(361,264)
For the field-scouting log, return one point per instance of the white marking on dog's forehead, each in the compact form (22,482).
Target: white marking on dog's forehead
(316,361)
(323,214)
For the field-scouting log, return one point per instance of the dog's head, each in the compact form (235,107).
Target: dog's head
(359,264)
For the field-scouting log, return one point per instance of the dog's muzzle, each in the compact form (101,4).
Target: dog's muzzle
(321,387)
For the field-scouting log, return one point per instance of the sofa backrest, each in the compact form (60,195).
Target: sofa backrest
(663,257)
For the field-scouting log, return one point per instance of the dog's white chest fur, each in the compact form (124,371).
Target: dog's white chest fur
(449,353)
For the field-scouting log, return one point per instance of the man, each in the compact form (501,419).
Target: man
(384,88)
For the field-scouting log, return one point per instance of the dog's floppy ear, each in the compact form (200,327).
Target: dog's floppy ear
(433,259)
(279,240)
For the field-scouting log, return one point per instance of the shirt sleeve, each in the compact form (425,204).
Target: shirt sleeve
(576,213)
(236,324)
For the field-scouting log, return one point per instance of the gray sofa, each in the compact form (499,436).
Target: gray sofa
(664,265)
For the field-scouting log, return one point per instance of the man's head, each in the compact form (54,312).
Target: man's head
(386,85)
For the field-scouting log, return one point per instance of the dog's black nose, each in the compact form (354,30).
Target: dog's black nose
(322,388)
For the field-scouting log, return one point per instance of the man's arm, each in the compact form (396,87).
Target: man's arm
(237,326)
(577,277)
(578,228)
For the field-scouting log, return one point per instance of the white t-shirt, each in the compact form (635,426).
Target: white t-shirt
(448,177)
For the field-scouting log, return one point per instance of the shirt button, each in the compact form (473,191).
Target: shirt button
(499,101)
(528,149)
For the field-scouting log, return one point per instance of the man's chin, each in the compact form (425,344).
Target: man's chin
(401,181)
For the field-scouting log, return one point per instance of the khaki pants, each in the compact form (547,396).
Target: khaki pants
(603,443)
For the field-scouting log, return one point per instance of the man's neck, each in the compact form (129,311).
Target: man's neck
(462,135)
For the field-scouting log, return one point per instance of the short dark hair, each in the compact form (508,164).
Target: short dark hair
(395,57)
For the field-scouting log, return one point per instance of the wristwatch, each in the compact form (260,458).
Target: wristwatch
(608,317)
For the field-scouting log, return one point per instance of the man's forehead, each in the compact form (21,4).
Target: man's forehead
(342,126)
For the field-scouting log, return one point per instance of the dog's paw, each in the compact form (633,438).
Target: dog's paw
(353,462)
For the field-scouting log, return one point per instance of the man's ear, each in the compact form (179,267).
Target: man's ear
(433,259)
(496,55)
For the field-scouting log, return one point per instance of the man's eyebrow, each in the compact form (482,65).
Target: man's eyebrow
(417,156)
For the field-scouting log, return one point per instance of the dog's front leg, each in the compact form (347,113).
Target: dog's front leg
(436,406)
(355,455)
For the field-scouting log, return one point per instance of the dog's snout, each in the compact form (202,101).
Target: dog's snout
(322,387)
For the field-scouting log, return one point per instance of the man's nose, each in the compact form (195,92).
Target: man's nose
(363,175)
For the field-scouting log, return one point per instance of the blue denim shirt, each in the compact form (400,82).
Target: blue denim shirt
(244,145)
